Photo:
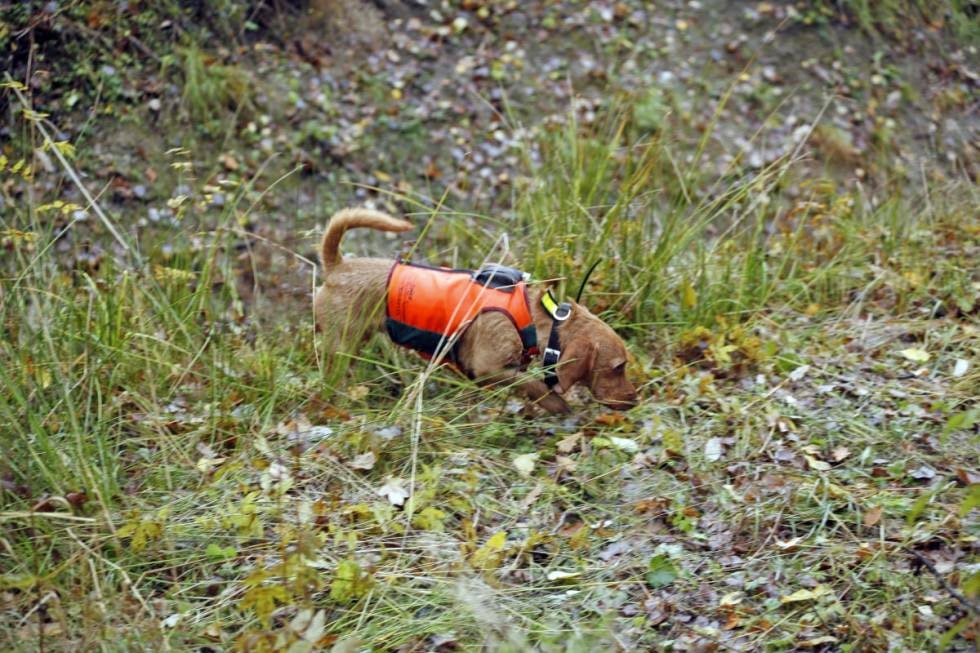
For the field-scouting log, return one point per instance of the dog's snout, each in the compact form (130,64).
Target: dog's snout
(622,403)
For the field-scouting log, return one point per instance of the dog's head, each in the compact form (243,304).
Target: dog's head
(594,355)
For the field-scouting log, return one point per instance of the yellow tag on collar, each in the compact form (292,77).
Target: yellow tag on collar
(549,303)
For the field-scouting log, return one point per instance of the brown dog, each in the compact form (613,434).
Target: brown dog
(348,306)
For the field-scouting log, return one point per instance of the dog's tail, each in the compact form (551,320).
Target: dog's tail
(350,219)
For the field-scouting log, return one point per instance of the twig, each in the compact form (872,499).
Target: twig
(73,175)
(8,516)
(967,603)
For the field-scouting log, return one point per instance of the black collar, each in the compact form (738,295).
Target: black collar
(552,353)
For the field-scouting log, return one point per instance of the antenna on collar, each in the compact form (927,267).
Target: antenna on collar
(585,279)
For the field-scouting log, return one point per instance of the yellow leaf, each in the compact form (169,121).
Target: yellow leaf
(66,148)
(43,375)
(563,575)
(818,465)
(429,519)
(351,582)
(525,464)
(806,595)
(689,296)
(731,599)
(672,441)
(489,555)
(262,599)
(916,355)
(789,545)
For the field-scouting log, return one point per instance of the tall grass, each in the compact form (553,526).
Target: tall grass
(653,227)
(153,445)
(894,18)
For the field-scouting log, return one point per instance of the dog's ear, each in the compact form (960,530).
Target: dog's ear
(577,361)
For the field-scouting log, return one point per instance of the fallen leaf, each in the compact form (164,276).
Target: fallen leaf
(563,575)
(46,504)
(960,368)
(789,545)
(229,162)
(661,571)
(806,595)
(532,496)
(205,465)
(652,506)
(799,372)
(818,641)
(565,464)
(713,449)
(657,611)
(872,517)
(731,599)
(915,355)
(818,465)
(364,461)
(568,445)
(923,473)
(840,453)
(358,392)
(432,171)
(625,444)
(965,476)
(315,630)
(630,610)
(525,463)
(489,555)
(76,499)
(570,527)
(616,548)
(689,296)
(394,491)
(611,419)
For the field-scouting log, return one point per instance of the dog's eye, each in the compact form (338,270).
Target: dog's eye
(620,368)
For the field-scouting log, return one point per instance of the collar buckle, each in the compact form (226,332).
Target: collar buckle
(558,312)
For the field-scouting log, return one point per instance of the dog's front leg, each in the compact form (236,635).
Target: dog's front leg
(536,392)
(540,395)
(490,351)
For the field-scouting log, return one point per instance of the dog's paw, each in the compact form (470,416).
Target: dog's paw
(554,404)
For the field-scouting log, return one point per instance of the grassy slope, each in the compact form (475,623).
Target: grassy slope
(177,473)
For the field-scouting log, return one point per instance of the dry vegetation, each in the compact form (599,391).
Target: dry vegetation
(788,243)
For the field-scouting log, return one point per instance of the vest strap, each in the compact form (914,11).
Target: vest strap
(552,353)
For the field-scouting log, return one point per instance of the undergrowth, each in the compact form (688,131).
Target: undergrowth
(176,473)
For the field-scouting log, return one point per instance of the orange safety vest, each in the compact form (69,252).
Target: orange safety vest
(427,306)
